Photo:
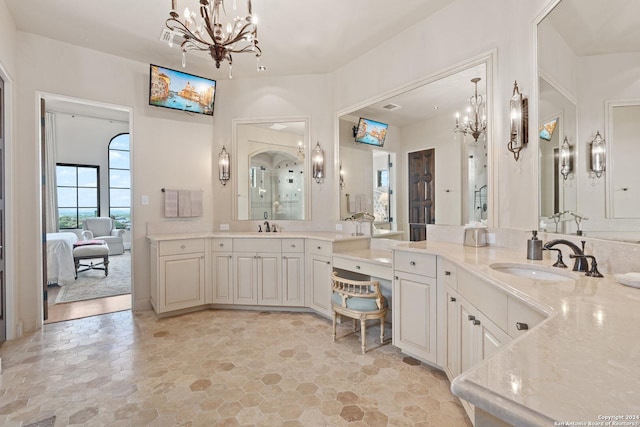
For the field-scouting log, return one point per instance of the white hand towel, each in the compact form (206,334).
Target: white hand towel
(171,203)
(184,203)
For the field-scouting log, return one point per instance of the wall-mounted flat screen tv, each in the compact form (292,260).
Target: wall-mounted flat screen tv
(371,132)
(181,91)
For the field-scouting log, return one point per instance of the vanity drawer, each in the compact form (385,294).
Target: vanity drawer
(363,267)
(412,262)
(257,245)
(221,245)
(320,247)
(181,246)
(292,245)
(449,273)
(487,298)
(520,312)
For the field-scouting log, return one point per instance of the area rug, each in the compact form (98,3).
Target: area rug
(92,284)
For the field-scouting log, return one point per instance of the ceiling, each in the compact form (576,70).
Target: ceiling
(296,37)
(598,27)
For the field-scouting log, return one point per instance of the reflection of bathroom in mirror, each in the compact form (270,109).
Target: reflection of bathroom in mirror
(420,118)
(271,163)
(588,78)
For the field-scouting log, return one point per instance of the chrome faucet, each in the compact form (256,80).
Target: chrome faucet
(580,263)
(267,228)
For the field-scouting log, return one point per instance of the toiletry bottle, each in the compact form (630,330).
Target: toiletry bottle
(534,247)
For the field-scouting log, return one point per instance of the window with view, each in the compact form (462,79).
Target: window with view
(120,181)
(78,189)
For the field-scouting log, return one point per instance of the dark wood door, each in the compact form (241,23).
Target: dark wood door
(421,193)
(3,291)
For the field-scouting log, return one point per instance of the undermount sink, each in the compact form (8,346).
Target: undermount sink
(532,271)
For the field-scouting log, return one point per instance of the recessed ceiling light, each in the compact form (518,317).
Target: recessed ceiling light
(435,107)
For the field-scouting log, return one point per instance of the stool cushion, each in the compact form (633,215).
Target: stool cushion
(360,304)
(91,250)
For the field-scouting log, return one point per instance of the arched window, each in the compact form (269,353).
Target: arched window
(120,181)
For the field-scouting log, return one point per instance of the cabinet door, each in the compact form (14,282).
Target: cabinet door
(467,335)
(268,270)
(246,284)
(293,280)
(222,275)
(415,315)
(491,337)
(320,294)
(453,357)
(181,281)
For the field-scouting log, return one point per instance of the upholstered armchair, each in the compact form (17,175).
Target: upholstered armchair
(103,228)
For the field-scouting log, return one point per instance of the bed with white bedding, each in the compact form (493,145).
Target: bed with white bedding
(60,267)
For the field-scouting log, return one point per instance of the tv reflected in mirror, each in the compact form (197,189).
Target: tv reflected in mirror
(371,132)
(181,91)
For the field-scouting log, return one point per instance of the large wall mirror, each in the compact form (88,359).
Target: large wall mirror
(272,166)
(589,90)
(424,172)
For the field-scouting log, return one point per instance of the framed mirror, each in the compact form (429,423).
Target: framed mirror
(271,157)
(420,123)
(589,76)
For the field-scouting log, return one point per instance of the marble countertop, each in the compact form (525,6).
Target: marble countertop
(380,257)
(328,236)
(580,365)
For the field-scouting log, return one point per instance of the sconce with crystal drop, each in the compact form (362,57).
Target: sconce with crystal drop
(223,166)
(342,183)
(598,155)
(566,159)
(317,162)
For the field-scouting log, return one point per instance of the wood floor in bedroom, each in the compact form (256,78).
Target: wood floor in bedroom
(80,309)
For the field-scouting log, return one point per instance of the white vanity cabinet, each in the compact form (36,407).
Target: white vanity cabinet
(178,274)
(415,304)
(293,272)
(257,271)
(319,268)
(222,279)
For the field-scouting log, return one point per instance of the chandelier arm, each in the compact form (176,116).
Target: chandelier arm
(180,27)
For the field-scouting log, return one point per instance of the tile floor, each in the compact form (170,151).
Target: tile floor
(220,367)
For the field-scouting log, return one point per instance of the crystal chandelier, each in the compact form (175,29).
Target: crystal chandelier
(208,33)
(474,121)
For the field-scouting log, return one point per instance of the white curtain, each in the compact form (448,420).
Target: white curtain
(51,191)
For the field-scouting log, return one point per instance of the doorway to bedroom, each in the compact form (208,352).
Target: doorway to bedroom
(86,207)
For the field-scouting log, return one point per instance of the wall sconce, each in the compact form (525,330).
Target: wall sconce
(598,155)
(342,184)
(519,122)
(318,163)
(566,159)
(223,166)
(300,151)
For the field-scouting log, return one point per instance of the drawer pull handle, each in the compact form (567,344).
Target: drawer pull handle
(221,244)
(452,299)
(182,246)
(447,273)
(476,322)
(521,326)
(395,277)
(319,247)
(328,262)
(293,246)
(357,267)
(412,263)
(471,317)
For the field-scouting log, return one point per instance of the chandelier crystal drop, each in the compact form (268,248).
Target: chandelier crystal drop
(475,120)
(213,32)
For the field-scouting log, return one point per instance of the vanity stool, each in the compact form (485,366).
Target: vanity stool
(358,300)
(91,249)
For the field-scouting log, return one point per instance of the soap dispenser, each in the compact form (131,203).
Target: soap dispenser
(534,247)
